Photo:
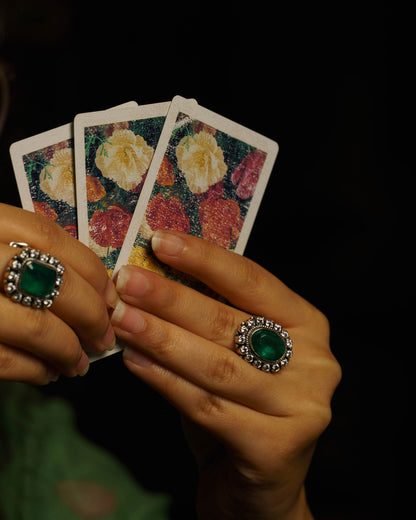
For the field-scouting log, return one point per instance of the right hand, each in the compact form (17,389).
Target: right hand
(36,346)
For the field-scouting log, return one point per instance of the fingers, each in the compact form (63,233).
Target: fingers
(217,415)
(18,365)
(242,282)
(179,304)
(37,341)
(47,236)
(43,337)
(216,369)
(79,305)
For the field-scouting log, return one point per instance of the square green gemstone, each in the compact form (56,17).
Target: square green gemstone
(37,278)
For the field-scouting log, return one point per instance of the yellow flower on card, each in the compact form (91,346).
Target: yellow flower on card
(125,159)
(201,161)
(57,179)
(140,257)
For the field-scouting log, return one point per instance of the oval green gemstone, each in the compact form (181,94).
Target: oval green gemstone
(37,279)
(267,344)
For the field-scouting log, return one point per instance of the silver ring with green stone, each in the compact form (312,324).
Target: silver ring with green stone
(264,344)
(33,278)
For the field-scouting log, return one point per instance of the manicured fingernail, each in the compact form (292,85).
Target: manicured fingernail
(83,365)
(128,318)
(110,295)
(167,243)
(132,282)
(136,357)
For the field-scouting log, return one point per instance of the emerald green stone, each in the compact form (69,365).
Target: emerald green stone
(37,279)
(267,344)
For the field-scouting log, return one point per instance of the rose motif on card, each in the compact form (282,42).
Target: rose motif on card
(124,159)
(247,174)
(162,213)
(108,228)
(201,161)
(57,178)
(221,221)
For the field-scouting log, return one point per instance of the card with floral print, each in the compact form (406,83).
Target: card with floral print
(112,156)
(44,169)
(207,178)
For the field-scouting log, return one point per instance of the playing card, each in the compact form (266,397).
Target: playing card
(207,178)
(113,152)
(44,169)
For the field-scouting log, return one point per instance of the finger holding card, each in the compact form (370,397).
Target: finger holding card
(207,179)
(113,153)
(45,174)
(53,298)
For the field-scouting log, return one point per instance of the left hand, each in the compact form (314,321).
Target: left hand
(262,427)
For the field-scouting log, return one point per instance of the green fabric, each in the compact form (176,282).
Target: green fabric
(48,471)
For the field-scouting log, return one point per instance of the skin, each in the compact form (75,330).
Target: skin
(253,433)
(36,346)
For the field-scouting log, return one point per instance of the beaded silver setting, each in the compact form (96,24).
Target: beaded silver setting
(33,278)
(269,351)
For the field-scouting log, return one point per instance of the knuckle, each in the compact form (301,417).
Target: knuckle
(252,274)
(36,326)
(50,232)
(7,363)
(223,369)
(207,409)
(223,325)
(162,340)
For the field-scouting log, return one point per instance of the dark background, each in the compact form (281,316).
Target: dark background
(331,82)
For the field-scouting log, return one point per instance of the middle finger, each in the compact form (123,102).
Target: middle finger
(179,304)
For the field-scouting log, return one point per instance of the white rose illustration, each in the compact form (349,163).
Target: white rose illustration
(125,159)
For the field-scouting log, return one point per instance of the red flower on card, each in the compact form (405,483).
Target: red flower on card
(246,175)
(164,213)
(95,190)
(165,176)
(221,221)
(44,209)
(72,230)
(108,228)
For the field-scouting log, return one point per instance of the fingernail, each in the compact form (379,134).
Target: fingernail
(83,365)
(136,357)
(167,243)
(110,295)
(131,282)
(128,318)
(109,340)
(53,375)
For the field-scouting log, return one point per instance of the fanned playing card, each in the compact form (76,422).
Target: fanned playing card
(113,152)
(207,178)
(44,169)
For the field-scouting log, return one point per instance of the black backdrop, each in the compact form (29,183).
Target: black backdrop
(330,81)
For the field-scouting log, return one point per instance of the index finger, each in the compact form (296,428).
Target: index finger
(241,281)
(40,233)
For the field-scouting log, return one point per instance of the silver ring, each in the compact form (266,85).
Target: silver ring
(33,278)
(264,344)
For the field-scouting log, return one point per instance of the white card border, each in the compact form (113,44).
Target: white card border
(221,123)
(30,145)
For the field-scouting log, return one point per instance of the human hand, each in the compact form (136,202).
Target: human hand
(262,428)
(36,345)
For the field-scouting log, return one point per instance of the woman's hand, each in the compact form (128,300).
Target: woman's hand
(36,345)
(253,432)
